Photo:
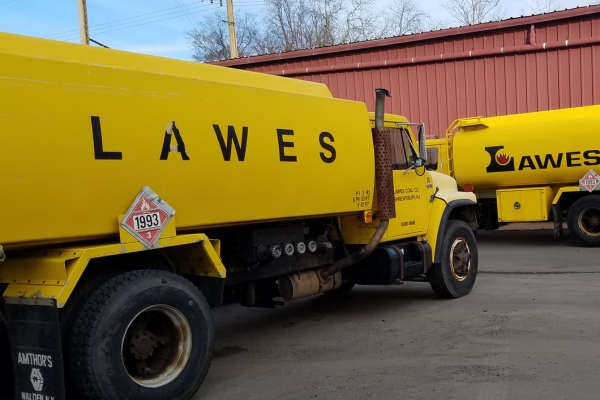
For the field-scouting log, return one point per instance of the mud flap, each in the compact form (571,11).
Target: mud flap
(34,334)
(557,214)
(6,375)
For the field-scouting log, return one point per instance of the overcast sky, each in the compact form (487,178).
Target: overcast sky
(155,26)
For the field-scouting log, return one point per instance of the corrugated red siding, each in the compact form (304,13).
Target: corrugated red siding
(521,65)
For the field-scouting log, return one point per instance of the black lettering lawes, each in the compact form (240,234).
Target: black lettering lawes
(235,140)
(232,138)
(501,161)
(99,153)
(167,148)
(327,146)
(283,144)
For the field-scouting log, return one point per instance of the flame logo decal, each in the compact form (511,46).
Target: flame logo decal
(502,159)
(499,162)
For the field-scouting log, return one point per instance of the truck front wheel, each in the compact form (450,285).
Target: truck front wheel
(454,276)
(141,335)
(584,221)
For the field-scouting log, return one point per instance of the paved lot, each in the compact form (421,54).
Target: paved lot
(529,330)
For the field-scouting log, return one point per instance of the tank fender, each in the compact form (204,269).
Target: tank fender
(463,209)
(53,273)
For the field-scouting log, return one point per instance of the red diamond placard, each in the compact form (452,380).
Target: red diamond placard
(590,181)
(147,217)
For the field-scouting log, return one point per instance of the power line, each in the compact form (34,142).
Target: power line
(120,21)
(145,19)
(185,11)
(109,28)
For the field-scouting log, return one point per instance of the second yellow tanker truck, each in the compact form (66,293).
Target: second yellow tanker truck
(539,166)
(135,191)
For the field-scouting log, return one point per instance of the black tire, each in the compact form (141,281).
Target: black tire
(84,289)
(68,314)
(455,275)
(136,322)
(583,221)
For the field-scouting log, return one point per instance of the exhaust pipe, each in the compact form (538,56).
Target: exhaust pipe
(384,184)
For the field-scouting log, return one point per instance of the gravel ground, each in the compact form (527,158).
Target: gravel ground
(528,330)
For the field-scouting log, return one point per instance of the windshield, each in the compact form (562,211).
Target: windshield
(403,152)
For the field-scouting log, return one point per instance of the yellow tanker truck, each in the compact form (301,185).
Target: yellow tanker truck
(529,167)
(136,191)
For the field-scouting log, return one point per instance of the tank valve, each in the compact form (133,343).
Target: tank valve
(312,246)
(288,249)
(276,251)
(300,248)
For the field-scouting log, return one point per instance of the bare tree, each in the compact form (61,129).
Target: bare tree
(289,25)
(541,6)
(405,17)
(324,16)
(361,22)
(471,12)
(315,23)
(291,20)
(210,40)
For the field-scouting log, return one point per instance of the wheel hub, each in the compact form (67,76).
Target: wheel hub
(589,222)
(460,259)
(142,344)
(156,346)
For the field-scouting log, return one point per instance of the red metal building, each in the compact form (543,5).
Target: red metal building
(525,64)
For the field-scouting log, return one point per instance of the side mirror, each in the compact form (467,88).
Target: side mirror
(422,144)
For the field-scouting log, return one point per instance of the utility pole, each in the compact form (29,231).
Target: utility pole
(84,32)
(233,49)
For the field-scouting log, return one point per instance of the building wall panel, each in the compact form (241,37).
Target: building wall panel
(453,83)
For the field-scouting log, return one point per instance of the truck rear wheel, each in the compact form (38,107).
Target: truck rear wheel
(455,275)
(584,221)
(141,335)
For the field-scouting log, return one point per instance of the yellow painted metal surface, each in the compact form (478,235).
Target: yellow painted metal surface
(564,189)
(447,193)
(417,216)
(437,156)
(535,149)
(53,274)
(519,205)
(199,260)
(84,129)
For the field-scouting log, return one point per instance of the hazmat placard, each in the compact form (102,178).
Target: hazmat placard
(590,181)
(147,217)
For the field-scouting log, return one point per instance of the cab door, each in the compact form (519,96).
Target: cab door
(412,188)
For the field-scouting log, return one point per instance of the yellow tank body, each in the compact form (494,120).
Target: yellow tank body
(84,129)
(535,149)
